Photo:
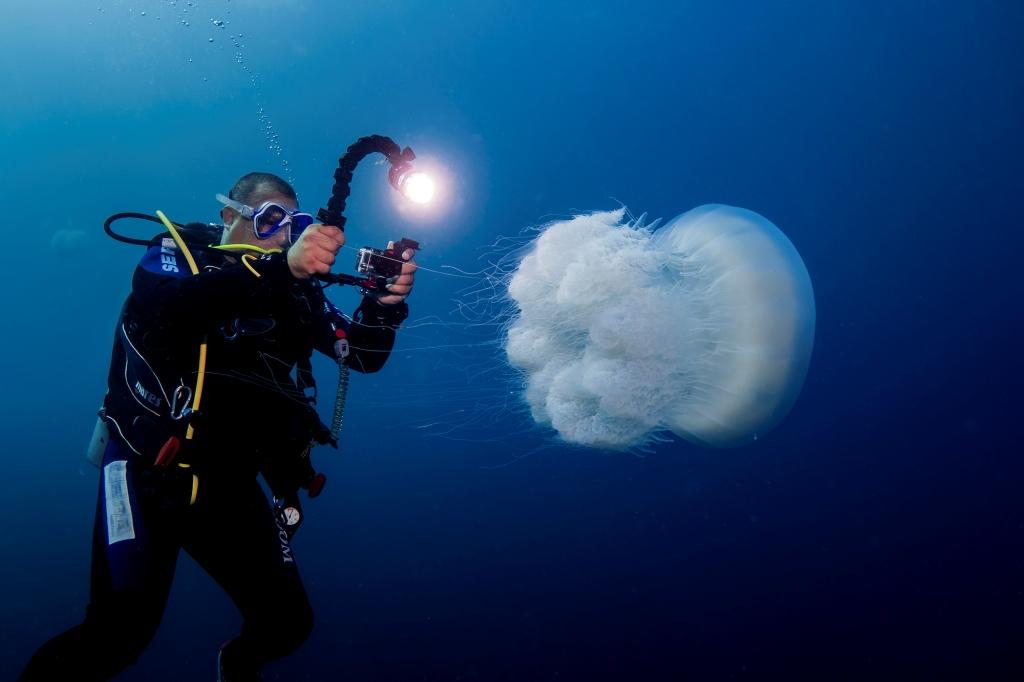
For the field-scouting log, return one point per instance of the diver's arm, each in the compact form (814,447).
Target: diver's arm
(370,333)
(371,336)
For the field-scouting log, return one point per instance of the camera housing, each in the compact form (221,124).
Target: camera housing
(381,265)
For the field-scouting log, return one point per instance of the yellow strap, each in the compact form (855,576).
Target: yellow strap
(246,247)
(248,252)
(246,257)
(179,241)
(200,380)
(195,483)
(201,372)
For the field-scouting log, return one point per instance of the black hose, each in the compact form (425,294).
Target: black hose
(195,243)
(129,214)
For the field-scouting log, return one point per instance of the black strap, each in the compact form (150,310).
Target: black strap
(304,378)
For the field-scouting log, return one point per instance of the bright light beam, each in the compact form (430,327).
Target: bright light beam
(418,187)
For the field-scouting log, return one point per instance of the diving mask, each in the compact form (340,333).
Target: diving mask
(270,218)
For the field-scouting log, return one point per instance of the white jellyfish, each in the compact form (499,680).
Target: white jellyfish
(703,327)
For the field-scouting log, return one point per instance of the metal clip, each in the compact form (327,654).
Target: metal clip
(179,402)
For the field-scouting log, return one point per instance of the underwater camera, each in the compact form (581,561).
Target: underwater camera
(380,266)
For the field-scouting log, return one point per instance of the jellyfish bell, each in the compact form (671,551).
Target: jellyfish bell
(751,303)
(703,327)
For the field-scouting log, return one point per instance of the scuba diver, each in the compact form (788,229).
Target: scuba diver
(178,473)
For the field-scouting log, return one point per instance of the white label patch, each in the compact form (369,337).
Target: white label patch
(119,509)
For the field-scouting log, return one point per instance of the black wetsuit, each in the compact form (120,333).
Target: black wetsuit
(254,417)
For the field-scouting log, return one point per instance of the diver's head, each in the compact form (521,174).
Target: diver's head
(262,210)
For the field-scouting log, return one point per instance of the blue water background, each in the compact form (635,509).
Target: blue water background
(875,534)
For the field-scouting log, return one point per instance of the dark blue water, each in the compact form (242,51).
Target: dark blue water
(877,533)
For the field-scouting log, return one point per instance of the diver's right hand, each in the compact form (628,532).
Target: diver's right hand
(315,250)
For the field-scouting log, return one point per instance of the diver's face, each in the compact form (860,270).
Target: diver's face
(240,230)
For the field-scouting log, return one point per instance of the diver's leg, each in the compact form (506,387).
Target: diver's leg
(133,557)
(241,546)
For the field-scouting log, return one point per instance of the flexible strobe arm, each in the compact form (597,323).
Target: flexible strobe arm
(399,159)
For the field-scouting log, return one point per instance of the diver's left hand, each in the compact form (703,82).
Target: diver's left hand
(400,289)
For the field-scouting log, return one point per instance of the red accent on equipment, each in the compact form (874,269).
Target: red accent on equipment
(168,452)
(316,486)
